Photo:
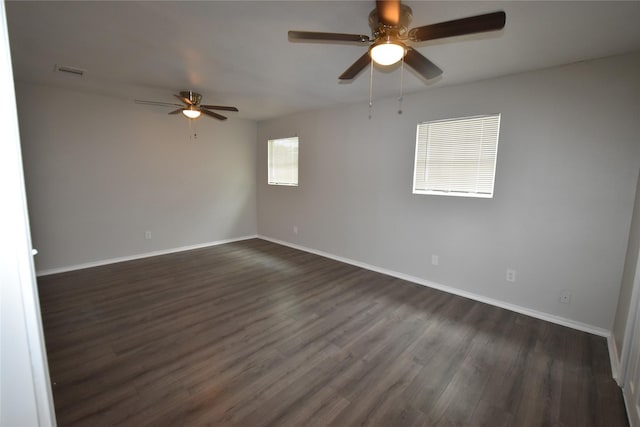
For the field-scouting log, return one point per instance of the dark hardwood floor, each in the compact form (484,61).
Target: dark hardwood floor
(254,334)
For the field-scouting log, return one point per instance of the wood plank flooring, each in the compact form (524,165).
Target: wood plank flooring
(256,334)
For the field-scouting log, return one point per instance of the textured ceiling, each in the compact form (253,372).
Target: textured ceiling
(237,52)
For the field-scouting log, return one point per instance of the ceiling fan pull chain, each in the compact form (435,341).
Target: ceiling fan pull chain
(371,90)
(195,135)
(401,87)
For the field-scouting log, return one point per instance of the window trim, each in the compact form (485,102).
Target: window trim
(456,193)
(269,150)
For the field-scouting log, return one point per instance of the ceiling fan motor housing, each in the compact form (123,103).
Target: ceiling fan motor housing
(194,97)
(378,28)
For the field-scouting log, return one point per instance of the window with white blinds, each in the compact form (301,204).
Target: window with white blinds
(283,161)
(457,157)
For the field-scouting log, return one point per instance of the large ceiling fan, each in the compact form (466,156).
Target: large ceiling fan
(391,37)
(191,107)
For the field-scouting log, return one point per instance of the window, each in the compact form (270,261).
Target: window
(283,161)
(457,157)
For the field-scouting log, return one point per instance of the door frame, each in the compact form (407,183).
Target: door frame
(632,330)
(630,326)
(25,371)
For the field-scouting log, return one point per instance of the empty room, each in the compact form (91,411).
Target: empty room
(320,213)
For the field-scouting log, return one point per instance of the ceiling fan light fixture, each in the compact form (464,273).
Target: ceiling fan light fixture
(192,112)
(387,52)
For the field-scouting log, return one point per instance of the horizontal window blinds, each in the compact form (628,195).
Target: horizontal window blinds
(457,157)
(283,161)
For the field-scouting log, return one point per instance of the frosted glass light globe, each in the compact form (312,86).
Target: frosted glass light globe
(387,53)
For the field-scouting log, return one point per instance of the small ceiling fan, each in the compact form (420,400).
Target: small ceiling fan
(391,37)
(192,108)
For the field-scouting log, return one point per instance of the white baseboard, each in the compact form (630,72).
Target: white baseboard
(615,360)
(139,256)
(512,307)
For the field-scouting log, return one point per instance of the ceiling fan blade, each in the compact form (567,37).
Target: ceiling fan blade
(179,110)
(356,67)
(421,65)
(332,37)
(388,12)
(459,27)
(183,99)
(162,104)
(219,107)
(212,114)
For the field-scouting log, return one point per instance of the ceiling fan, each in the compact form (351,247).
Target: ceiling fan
(192,108)
(391,37)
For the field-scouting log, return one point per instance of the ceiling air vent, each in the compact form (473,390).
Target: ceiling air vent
(70,70)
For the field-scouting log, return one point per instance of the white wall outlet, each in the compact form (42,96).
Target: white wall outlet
(435,259)
(565,297)
(147,235)
(511,275)
(295,229)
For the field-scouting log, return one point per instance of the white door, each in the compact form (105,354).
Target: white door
(25,390)
(630,374)
(632,383)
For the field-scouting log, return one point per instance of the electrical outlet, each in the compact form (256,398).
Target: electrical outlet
(511,275)
(565,297)
(295,229)
(435,259)
(147,235)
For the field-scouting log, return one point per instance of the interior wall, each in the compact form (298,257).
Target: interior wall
(628,275)
(100,171)
(566,174)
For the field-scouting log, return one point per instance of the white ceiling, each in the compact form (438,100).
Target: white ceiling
(237,52)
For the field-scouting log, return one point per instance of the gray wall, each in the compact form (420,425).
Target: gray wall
(628,276)
(101,171)
(567,168)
